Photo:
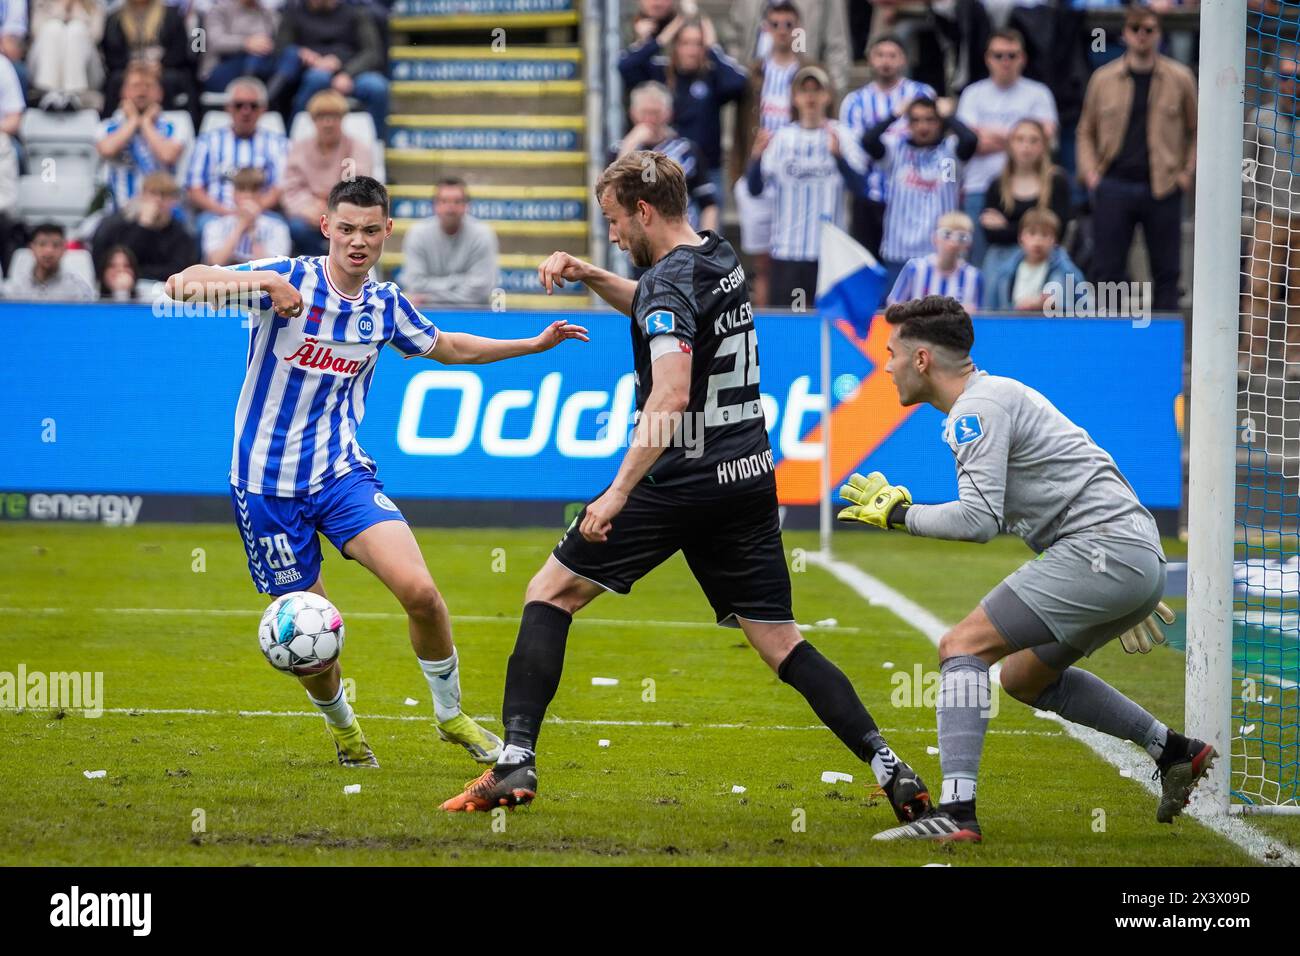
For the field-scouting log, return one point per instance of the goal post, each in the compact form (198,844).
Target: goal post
(1212,405)
(1243,671)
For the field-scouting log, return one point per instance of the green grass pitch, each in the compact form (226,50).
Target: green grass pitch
(167,614)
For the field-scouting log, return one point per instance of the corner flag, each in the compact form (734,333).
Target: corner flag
(850,283)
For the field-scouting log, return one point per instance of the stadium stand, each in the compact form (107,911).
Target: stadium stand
(506,117)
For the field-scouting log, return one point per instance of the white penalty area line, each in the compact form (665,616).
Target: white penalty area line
(557,721)
(1127,759)
(398,615)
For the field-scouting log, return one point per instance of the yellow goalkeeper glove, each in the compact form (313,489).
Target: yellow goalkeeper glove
(1147,633)
(875,501)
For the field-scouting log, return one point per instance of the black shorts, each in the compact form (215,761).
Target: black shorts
(733,547)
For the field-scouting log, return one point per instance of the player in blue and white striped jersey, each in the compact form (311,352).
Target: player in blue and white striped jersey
(924,171)
(944,271)
(317,325)
(862,109)
(804,169)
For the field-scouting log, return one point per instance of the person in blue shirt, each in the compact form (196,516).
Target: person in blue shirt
(686,57)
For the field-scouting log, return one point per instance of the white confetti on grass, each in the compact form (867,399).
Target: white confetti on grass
(95,774)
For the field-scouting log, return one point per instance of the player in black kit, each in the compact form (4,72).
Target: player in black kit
(698,477)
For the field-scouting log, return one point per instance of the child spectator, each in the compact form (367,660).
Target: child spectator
(1040,273)
(1028,181)
(804,169)
(148,226)
(118,274)
(944,271)
(249,232)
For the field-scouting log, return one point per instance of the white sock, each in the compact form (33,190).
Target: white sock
(1157,740)
(957,789)
(444,683)
(513,753)
(338,712)
(883,763)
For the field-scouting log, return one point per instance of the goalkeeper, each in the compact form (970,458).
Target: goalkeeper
(1024,468)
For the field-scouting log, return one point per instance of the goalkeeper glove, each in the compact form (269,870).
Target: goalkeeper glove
(875,501)
(1147,633)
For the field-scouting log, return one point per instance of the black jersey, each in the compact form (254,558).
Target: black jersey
(698,295)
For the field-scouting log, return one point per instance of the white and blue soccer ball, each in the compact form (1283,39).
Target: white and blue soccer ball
(301,633)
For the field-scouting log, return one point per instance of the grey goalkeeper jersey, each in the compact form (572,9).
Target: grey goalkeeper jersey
(1024,468)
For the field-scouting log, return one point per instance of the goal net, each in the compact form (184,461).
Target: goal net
(1244,548)
(1266,572)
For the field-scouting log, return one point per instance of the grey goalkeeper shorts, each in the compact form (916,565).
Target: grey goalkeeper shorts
(1082,592)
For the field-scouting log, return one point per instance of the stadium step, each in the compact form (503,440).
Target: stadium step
(517,277)
(488,167)
(511,203)
(448,131)
(454,15)
(507,115)
(527,65)
(532,238)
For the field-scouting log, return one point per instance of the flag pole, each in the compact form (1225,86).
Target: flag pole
(825,500)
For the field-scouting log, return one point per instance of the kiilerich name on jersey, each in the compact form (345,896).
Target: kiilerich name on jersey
(696,300)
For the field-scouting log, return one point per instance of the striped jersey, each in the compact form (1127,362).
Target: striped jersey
(865,107)
(307,377)
(922,276)
(127,170)
(776,96)
(804,183)
(269,231)
(923,183)
(219,154)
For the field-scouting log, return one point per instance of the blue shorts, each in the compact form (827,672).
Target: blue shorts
(280,533)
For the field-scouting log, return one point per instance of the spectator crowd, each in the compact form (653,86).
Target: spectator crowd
(1000,151)
(169,197)
(996,148)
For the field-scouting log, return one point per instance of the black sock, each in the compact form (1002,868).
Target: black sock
(533,673)
(963,811)
(1176,749)
(832,697)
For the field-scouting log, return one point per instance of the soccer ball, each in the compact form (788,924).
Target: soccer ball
(301,633)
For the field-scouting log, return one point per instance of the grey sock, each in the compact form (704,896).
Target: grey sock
(1084,698)
(963,711)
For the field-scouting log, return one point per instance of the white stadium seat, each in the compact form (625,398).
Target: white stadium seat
(63,200)
(40,127)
